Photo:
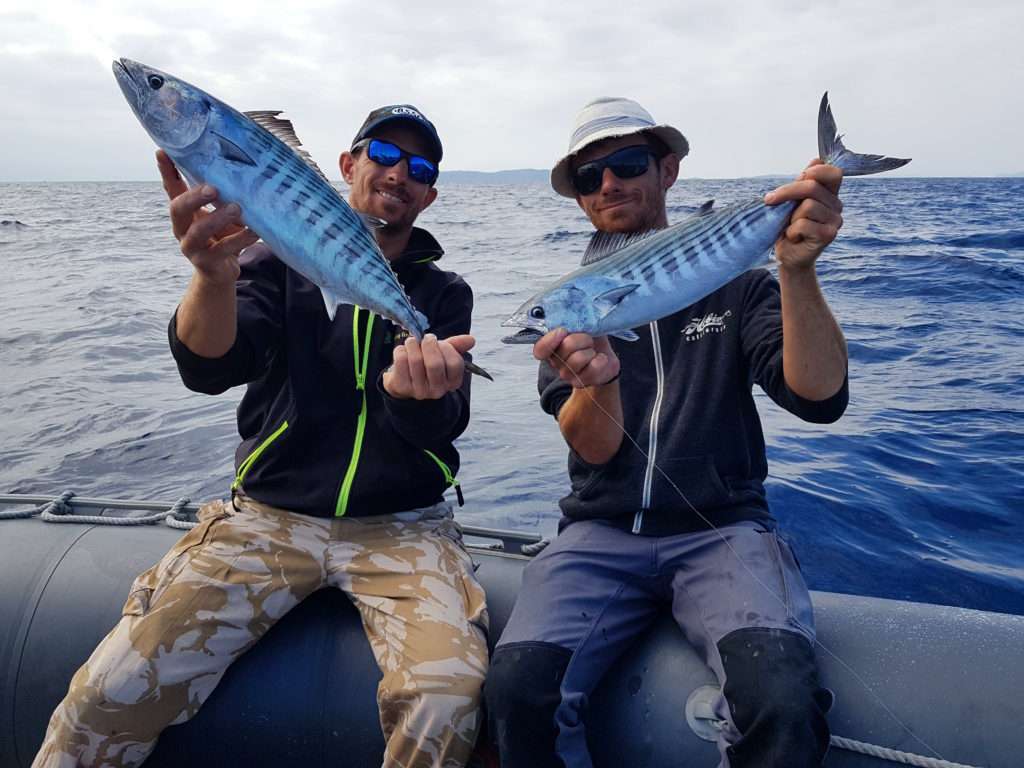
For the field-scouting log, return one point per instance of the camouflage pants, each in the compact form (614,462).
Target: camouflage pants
(227,581)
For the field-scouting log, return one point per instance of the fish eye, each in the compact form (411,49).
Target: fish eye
(537,313)
(155,81)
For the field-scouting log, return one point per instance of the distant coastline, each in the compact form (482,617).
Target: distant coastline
(514,176)
(527,176)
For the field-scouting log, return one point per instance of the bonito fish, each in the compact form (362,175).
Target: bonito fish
(255,160)
(627,280)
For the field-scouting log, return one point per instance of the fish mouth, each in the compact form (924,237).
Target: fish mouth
(130,87)
(523,336)
(121,67)
(530,330)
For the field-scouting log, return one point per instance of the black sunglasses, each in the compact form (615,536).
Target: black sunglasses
(626,163)
(385,153)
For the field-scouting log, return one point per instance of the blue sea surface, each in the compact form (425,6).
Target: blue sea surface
(917,493)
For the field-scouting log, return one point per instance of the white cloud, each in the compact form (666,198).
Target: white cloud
(502,81)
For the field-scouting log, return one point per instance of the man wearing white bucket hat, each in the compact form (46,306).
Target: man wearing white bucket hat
(683,522)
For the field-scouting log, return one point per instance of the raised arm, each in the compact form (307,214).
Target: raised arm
(814,349)
(207,315)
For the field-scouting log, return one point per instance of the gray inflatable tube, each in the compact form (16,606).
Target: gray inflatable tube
(937,682)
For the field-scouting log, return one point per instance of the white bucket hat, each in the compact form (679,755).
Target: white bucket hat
(605,118)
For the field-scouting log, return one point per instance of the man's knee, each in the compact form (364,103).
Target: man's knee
(525,675)
(522,694)
(774,697)
(443,695)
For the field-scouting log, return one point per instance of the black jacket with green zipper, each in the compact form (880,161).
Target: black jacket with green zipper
(320,435)
(687,399)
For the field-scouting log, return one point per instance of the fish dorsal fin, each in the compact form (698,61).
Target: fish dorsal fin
(282,129)
(705,208)
(603,244)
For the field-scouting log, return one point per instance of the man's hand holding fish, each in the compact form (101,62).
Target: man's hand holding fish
(427,370)
(211,241)
(814,358)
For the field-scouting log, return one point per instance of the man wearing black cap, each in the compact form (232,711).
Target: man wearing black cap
(347,449)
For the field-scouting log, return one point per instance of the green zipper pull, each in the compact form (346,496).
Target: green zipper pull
(244,467)
(362,364)
(449,478)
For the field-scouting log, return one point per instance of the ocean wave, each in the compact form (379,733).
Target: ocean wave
(929,276)
(876,243)
(1006,241)
(562,235)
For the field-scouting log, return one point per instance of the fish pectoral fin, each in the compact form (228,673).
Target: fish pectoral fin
(231,151)
(626,335)
(608,300)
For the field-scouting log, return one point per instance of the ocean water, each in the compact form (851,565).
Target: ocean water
(917,493)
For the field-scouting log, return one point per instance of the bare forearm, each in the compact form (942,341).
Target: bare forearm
(207,319)
(590,421)
(813,349)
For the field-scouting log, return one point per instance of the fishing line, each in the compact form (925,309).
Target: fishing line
(864,684)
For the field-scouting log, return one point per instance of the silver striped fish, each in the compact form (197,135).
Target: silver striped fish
(627,281)
(255,160)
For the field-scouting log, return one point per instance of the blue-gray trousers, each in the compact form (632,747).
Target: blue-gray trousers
(736,593)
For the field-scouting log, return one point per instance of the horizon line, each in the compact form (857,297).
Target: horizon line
(522,170)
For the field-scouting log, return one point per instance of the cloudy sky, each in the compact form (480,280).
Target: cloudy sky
(935,80)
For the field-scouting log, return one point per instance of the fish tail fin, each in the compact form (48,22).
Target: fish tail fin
(832,151)
(418,332)
(474,368)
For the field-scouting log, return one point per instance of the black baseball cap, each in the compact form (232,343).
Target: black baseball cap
(406,113)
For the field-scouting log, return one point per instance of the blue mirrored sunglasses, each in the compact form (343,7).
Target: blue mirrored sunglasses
(385,153)
(626,163)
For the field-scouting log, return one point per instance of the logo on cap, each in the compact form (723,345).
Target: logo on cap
(407,111)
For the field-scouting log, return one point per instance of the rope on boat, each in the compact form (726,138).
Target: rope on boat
(182,515)
(534,549)
(61,510)
(58,506)
(18,514)
(709,728)
(893,755)
(179,517)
